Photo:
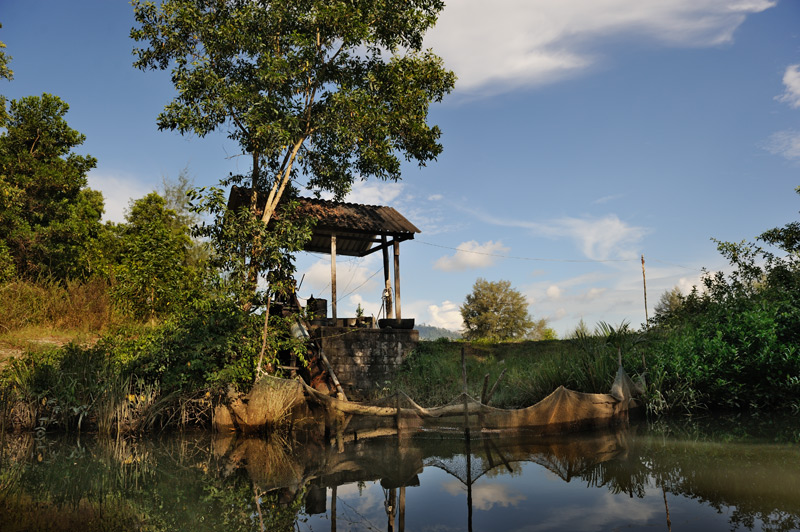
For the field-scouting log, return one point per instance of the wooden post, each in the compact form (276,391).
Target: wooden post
(387,283)
(463,371)
(402,518)
(644,282)
(397,279)
(333,277)
(333,509)
(485,388)
(391,509)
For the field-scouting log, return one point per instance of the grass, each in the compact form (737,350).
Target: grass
(73,305)
(432,375)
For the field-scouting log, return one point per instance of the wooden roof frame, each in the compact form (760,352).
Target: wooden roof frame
(351,229)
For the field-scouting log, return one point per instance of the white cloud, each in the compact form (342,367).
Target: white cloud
(499,45)
(355,284)
(118,191)
(486,495)
(435,197)
(553,292)
(785,144)
(371,307)
(472,255)
(791,79)
(447,315)
(374,192)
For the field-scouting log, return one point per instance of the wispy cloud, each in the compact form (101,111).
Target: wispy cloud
(606,199)
(471,255)
(784,143)
(599,238)
(497,46)
(602,238)
(791,80)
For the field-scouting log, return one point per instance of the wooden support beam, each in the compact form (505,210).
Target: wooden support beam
(387,284)
(397,279)
(333,276)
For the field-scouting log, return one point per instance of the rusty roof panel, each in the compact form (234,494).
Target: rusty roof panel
(355,225)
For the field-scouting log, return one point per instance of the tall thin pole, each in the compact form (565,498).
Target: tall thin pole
(644,283)
(397,279)
(333,277)
(387,283)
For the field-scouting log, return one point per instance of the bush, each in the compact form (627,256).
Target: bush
(733,345)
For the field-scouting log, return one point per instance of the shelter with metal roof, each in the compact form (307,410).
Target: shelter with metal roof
(355,230)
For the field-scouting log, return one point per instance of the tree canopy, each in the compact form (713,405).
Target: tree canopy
(152,273)
(495,311)
(315,92)
(47,214)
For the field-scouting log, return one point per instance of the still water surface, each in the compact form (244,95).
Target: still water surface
(732,474)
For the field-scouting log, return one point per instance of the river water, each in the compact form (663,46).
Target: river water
(706,475)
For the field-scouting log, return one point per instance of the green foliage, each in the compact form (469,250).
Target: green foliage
(7,269)
(177,194)
(138,375)
(494,311)
(733,344)
(540,331)
(152,276)
(281,74)
(432,375)
(308,91)
(5,73)
(241,244)
(61,384)
(667,307)
(47,215)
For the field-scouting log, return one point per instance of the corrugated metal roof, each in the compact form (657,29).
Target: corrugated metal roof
(354,217)
(356,226)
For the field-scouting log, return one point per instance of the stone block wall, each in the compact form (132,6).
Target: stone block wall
(364,359)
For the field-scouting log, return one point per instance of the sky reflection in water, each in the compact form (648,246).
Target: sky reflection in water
(734,476)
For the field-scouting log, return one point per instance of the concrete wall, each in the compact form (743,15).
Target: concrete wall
(364,359)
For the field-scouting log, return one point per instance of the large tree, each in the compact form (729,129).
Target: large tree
(47,214)
(495,311)
(315,92)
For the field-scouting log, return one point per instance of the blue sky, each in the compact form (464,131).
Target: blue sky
(581,135)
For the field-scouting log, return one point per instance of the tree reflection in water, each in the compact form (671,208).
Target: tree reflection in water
(230,483)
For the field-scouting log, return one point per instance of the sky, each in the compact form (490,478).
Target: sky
(581,136)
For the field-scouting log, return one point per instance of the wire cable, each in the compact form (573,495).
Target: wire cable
(541,259)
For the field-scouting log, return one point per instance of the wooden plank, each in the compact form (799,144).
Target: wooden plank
(397,280)
(333,276)
(387,284)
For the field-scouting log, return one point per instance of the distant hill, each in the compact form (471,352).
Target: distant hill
(429,332)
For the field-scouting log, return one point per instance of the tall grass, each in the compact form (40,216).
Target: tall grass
(75,305)
(432,375)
